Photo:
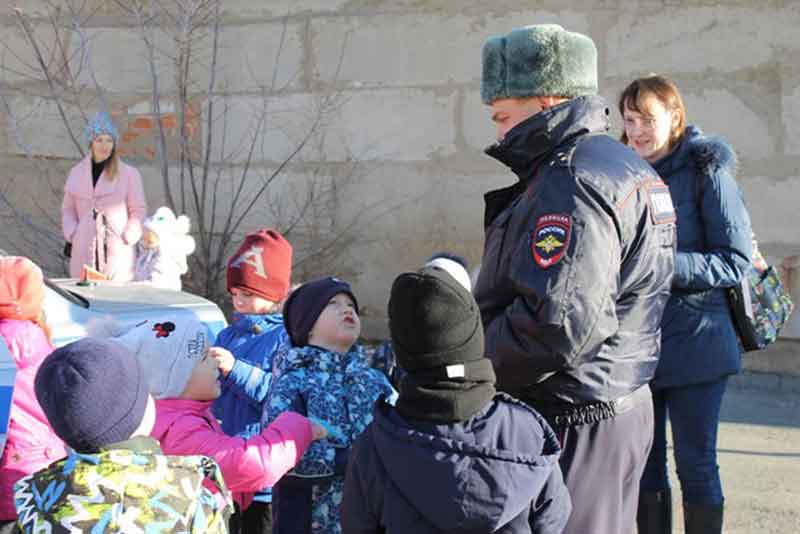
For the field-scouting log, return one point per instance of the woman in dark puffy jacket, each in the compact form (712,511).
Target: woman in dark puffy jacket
(699,348)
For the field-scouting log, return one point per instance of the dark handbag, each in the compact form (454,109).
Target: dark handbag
(67,250)
(759,304)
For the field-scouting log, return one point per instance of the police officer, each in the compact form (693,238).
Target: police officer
(577,266)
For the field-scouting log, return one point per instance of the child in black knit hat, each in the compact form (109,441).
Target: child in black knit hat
(325,376)
(383,357)
(453,455)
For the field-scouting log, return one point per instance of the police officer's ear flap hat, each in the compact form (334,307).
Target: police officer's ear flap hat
(434,321)
(539,60)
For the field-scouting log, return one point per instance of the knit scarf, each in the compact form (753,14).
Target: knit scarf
(429,395)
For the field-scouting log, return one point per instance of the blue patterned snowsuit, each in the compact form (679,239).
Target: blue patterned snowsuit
(340,390)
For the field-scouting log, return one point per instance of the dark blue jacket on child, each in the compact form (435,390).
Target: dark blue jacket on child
(253,340)
(403,475)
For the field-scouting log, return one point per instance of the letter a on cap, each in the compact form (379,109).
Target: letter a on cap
(252,257)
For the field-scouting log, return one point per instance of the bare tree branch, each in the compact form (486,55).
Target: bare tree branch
(46,72)
(221,178)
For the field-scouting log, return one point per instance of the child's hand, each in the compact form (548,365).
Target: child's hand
(318,431)
(225,359)
(331,432)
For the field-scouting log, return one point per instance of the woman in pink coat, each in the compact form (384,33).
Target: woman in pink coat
(31,443)
(103,207)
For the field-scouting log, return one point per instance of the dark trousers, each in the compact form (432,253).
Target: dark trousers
(8,527)
(694,416)
(257,519)
(602,464)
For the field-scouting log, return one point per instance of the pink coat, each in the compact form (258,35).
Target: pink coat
(114,234)
(187,427)
(31,443)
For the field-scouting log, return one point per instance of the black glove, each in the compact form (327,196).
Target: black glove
(67,249)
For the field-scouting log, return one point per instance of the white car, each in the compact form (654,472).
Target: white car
(69,307)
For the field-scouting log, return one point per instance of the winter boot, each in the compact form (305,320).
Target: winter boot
(702,518)
(654,515)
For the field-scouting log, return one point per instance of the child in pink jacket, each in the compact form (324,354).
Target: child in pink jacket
(184,380)
(31,444)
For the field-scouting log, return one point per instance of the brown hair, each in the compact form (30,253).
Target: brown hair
(665,91)
(112,165)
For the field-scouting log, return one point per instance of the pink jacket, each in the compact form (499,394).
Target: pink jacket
(187,427)
(31,443)
(114,234)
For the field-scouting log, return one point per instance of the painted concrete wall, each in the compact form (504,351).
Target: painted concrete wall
(411,113)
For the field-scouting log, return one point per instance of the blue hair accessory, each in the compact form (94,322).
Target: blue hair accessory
(101,124)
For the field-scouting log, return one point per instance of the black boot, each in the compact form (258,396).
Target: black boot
(654,515)
(702,518)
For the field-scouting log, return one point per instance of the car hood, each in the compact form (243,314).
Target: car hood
(113,298)
(70,308)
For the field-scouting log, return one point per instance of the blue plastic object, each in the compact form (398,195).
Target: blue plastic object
(8,372)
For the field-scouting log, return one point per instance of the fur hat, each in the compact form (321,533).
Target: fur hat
(21,289)
(434,321)
(173,234)
(262,265)
(539,60)
(169,349)
(93,392)
(101,124)
(304,305)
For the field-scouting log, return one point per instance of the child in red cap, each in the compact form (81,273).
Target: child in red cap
(258,280)
(31,443)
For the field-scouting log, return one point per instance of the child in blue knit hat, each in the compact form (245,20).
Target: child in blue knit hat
(326,377)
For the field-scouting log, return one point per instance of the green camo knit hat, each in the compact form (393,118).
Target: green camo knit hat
(539,60)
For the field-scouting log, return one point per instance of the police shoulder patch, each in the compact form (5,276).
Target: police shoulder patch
(550,238)
(661,209)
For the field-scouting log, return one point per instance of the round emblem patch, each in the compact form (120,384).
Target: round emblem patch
(550,239)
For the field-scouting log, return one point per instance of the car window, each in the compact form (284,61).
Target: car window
(70,296)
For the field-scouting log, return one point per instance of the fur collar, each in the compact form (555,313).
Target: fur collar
(710,154)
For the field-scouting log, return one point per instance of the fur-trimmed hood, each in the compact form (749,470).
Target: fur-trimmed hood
(709,154)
